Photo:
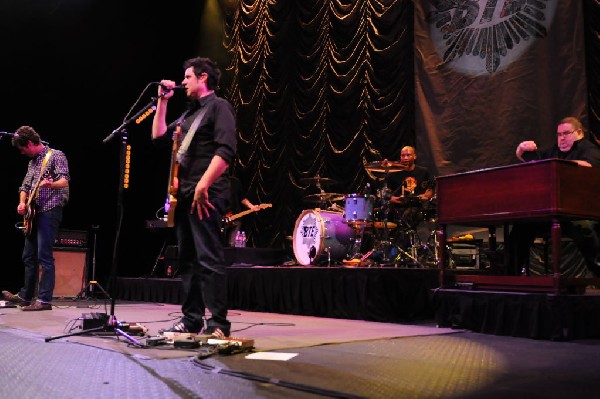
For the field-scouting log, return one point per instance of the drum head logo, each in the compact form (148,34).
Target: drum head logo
(309,230)
(486,36)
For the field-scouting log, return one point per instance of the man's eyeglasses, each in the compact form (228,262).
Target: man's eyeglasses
(563,134)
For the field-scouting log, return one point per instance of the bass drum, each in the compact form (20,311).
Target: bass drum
(321,236)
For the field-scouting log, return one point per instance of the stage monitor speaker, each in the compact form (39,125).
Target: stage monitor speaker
(70,265)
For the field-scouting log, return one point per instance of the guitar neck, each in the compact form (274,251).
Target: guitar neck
(174,166)
(244,213)
(239,215)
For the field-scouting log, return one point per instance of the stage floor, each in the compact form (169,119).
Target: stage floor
(325,358)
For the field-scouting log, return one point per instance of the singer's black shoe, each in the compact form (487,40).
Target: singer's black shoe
(179,327)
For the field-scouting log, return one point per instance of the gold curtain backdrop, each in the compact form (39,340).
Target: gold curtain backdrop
(320,88)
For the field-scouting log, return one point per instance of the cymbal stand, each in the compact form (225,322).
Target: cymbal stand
(323,203)
(384,244)
(412,255)
(358,231)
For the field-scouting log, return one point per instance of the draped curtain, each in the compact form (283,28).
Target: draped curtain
(320,88)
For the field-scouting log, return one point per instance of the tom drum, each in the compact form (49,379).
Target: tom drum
(321,236)
(358,209)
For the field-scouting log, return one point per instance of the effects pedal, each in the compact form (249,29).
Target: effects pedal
(156,341)
(243,343)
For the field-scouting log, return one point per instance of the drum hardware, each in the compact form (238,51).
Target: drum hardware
(412,251)
(323,197)
(358,233)
(382,246)
(318,181)
(408,201)
(384,166)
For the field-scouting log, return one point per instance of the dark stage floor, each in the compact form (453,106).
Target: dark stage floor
(330,358)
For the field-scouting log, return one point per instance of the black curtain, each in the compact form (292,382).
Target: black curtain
(320,88)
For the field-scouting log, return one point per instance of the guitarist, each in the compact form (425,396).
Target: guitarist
(42,196)
(208,146)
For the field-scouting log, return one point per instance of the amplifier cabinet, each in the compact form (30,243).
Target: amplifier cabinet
(70,265)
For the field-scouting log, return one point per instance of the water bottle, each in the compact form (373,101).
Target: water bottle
(243,239)
(238,239)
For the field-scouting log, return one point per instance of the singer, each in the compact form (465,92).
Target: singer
(208,146)
(43,194)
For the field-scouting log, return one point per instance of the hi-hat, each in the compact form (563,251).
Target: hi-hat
(323,197)
(384,166)
(408,201)
(323,181)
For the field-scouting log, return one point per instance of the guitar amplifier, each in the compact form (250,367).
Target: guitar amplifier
(71,239)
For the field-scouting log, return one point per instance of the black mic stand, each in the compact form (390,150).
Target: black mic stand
(113,324)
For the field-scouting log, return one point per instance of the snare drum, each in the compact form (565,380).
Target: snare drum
(321,236)
(379,216)
(358,209)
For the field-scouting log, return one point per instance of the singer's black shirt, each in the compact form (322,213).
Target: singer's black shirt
(216,135)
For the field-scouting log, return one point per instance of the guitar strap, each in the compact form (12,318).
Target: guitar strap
(181,152)
(43,169)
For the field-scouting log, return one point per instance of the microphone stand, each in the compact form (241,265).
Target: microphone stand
(113,324)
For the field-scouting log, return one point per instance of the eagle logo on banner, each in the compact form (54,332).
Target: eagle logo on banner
(485,36)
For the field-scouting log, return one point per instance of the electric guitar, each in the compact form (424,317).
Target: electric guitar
(30,209)
(171,202)
(228,219)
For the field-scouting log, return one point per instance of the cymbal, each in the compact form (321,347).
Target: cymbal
(323,181)
(409,200)
(322,197)
(384,166)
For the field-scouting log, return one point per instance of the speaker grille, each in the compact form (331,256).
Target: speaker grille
(70,265)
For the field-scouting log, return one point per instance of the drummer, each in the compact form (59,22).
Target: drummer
(410,187)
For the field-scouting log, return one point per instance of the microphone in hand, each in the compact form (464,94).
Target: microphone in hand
(167,89)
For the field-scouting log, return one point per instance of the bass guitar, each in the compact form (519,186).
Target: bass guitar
(171,202)
(228,219)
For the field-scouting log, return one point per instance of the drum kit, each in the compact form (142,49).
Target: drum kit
(368,230)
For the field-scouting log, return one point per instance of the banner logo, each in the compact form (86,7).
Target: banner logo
(486,36)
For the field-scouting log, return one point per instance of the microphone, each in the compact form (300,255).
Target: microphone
(179,87)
